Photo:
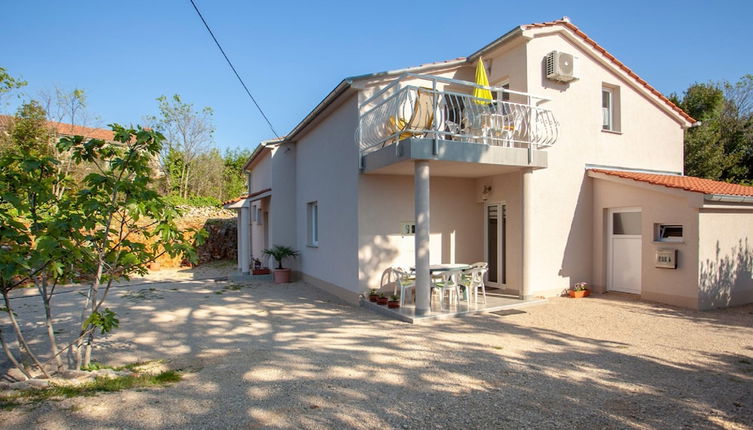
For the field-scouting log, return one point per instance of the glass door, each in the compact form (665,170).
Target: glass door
(495,220)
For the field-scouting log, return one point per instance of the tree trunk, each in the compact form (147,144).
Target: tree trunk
(46,297)
(11,357)
(21,339)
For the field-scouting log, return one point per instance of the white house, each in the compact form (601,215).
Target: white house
(573,172)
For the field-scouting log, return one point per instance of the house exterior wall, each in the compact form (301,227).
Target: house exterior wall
(725,258)
(507,189)
(327,173)
(260,173)
(282,220)
(673,286)
(561,198)
(385,201)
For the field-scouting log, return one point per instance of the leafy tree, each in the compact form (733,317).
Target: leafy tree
(114,225)
(189,134)
(234,180)
(720,147)
(8,83)
(119,207)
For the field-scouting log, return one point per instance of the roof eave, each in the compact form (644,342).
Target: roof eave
(515,32)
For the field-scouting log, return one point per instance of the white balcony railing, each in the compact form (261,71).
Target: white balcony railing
(441,108)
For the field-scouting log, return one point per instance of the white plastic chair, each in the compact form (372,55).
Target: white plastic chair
(448,286)
(398,278)
(474,281)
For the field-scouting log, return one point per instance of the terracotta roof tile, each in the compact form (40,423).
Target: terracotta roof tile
(566,22)
(246,196)
(68,129)
(687,183)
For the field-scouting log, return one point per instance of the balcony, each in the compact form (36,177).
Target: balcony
(436,118)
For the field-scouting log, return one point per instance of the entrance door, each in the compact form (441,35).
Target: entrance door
(624,253)
(495,220)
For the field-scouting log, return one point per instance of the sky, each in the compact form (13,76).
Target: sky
(125,54)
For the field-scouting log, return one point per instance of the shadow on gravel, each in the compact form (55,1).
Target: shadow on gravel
(286,357)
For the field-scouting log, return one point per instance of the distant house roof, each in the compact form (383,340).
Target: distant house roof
(687,183)
(68,129)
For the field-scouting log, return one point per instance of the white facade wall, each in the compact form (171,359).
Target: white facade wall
(326,171)
(725,258)
(386,201)
(561,196)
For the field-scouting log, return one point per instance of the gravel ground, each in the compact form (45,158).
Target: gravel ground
(271,356)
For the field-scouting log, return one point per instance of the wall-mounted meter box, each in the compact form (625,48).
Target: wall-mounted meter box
(666,258)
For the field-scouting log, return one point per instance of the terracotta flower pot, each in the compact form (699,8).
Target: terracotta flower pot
(373,297)
(282,276)
(382,301)
(579,294)
(393,304)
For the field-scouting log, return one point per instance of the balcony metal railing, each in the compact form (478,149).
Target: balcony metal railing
(442,108)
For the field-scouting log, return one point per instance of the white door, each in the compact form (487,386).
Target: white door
(624,251)
(495,220)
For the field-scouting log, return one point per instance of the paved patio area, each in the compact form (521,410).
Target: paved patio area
(286,356)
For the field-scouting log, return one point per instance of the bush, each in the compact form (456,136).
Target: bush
(196,201)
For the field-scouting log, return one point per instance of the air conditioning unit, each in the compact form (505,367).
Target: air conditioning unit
(560,66)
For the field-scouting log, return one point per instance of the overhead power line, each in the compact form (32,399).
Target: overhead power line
(230,63)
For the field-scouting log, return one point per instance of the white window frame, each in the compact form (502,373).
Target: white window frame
(609,126)
(312,217)
(659,233)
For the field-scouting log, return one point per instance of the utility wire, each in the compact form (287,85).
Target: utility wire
(233,67)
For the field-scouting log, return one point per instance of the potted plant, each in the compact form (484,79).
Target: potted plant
(279,253)
(382,299)
(394,302)
(579,290)
(373,295)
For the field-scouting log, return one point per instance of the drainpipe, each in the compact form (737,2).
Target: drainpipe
(525,290)
(422,212)
(238,238)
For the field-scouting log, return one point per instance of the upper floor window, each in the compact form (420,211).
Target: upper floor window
(610,108)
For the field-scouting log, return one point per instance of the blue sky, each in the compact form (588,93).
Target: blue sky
(291,54)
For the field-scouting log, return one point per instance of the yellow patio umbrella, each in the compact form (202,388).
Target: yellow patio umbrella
(482,95)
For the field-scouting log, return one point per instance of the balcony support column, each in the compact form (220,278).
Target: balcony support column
(422,213)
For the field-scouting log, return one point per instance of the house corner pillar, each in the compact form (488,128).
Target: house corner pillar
(525,290)
(244,246)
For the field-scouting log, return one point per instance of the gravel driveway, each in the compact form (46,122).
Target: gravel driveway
(271,356)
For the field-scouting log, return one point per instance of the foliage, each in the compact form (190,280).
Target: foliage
(119,207)
(105,321)
(8,83)
(580,286)
(112,226)
(394,298)
(189,134)
(281,252)
(720,147)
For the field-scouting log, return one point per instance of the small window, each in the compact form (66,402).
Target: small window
(669,233)
(610,108)
(606,108)
(257,214)
(312,213)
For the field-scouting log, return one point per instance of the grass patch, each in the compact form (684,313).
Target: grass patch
(99,385)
